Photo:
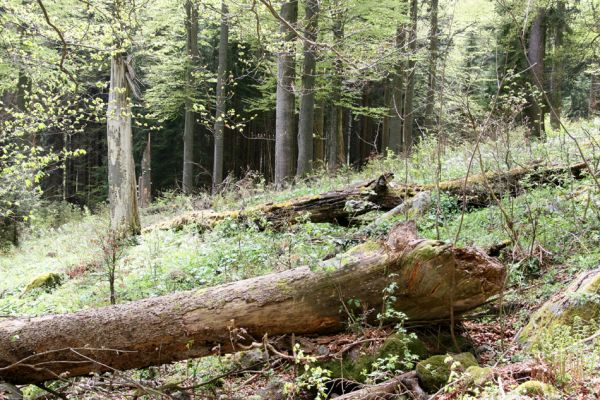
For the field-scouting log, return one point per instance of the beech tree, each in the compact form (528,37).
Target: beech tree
(219,127)
(286,72)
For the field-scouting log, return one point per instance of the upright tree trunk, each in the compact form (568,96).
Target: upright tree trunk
(319,139)
(145,184)
(408,122)
(536,50)
(191,28)
(284,118)
(122,195)
(396,98)
(557,76)
(307,100)
(335,139)
(432,70)
(332,159)
(221,101)
(594,94)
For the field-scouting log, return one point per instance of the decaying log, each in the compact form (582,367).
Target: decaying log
(336,206)
(477,192)
(204,321)
(340,206)
(406,383)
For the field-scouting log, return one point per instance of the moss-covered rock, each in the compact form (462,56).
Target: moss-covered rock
(434,372)
(580,301)
(48,280)
(358,361)
(536,389)
(476,376)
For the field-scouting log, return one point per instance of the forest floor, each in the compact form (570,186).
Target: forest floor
(557,230)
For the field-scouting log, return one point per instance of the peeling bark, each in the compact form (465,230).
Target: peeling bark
(200,322)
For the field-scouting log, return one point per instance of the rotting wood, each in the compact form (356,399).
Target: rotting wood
(406,383)
(337,206)
(340,206)
(204,321)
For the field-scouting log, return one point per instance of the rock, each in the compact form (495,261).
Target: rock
(434,372)
(578,302)
(536,389)
(274,390)
(249,359)
(478,376)
(48,280)
(10,392)
(358,361)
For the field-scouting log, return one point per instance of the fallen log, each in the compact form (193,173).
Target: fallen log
(337,206)
(481,189)
(406,383)
(340,206)
(201,322)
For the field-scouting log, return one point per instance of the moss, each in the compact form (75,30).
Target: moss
(424,251)
(579,301)
(434,372)
(396,344)
(47,281)
(478,376)
(367,247)
(536,389)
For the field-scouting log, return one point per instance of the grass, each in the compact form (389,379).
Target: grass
(557,230)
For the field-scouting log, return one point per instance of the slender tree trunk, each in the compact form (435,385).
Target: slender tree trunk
(332,159)
(396,97)
(408,122)
(594,94)
(284,119)
(307,100)
(319,139)
(557,76)
(432,70)
(191,28)
(338,37)
(122,195)
(536,49)
(221,101)
(145,184)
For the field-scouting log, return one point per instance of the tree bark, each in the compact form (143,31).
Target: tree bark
(319,139)
(335,137)
(307,99)
(145,184)
(122,193)
(408,122)
(300,301)
(284,119)
(536,51)
(219,127)
(191,29)
(432,70)
(558,58)
(338,206)
(396,101)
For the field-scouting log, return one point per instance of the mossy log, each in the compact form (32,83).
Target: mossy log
(337,206)
(477,194)
(340,206)
(201,322)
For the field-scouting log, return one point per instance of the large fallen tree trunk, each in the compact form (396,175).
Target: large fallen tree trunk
(432,278)
(337,206)
(481,189)
(342,205)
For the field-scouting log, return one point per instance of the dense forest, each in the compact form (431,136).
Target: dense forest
(353,199)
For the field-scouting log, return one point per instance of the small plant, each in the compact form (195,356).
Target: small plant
(112,248)
(313,377)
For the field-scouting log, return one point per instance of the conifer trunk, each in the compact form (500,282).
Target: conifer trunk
(213,320)
(219,127)
(191,28)
(432,70)
(307,100)
(536,49)
(284,119)
(408,122)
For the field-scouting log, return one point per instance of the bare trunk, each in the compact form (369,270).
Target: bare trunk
(557,76)
(145,184)
(299,301)
(221,101)
(191,27)
(432,72)
(408,122)
(535,111)
(284,119)
(319,139)
(122,193)
(307,100)
(332,159)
